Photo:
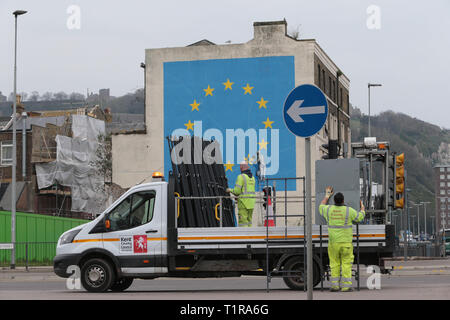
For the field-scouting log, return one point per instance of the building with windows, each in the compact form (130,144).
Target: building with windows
(218,90)
(48,146)
(442,191)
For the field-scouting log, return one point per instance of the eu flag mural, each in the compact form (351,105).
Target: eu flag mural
(237,102)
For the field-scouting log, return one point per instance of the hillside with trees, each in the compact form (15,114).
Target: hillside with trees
(418,140)
(132,102)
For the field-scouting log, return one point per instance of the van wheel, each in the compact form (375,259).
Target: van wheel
(97,275)
(295,276)
(122,284)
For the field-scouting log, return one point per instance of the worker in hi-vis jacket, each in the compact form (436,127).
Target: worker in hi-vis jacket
(244,188)
(340,219)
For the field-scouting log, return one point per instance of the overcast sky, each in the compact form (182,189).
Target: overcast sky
(407,49)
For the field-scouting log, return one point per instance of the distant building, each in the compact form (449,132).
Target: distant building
(2,97)
(59,146)
(103,95)
(442,192)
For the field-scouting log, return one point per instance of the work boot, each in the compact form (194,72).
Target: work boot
(334,289)
(347,289)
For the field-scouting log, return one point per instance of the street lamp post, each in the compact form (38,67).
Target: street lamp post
(369,86)
(406,219)
(14,151)
(413,217)
(425,214)
(418,216)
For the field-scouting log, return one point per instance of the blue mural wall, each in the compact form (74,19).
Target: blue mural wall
(228,98)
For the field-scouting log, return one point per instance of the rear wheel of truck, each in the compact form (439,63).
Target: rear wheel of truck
(295,276)
(97,275)
(122,284)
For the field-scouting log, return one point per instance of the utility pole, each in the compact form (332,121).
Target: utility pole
(308,207)
(406,219)
(14,151)
(369,86)
(425,214)
(418,216)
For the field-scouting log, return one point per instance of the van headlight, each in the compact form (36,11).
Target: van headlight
(69,236)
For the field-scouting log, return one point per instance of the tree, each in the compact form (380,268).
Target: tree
(34,96)
(295,33)
(47,96)
(61,95)
(103,160)
(75,96)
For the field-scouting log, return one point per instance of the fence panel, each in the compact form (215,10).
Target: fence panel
(37,233)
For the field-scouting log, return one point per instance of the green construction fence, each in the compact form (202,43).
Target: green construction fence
(36,237)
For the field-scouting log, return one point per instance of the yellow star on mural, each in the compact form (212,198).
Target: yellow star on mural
(228,84)
(194,105)
(228,166)
(189,125)
(263,144)
(268,123)
(208,91)
(247,89)
(262,103)
(249,160)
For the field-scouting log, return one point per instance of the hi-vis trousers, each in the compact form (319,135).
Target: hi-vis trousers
(341,261)
(245,217)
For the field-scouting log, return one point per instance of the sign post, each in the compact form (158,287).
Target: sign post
(305,112)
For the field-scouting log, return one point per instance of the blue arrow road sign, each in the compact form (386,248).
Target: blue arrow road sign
(305,110)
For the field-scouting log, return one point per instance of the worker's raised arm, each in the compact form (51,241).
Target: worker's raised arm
(328,194)
(358,216)
(324,202)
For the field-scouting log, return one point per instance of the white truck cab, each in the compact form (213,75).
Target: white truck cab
(130,236)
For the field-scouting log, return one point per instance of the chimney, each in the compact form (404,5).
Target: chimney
(269,30)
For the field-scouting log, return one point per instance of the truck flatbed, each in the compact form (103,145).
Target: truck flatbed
(258,237)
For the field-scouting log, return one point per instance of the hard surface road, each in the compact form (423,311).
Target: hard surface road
(422,280)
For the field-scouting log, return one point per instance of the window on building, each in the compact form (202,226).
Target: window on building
(442,192)
(319,72)
(330,87)
(442,176)
(323,80)
(442,169)
(334,91)
(442,184)
(6,153)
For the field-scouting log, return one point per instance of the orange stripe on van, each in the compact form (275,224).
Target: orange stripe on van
(199,238)
(112,240)
(270,237)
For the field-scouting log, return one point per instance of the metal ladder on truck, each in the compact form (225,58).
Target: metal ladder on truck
(272,216)
(271,242)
